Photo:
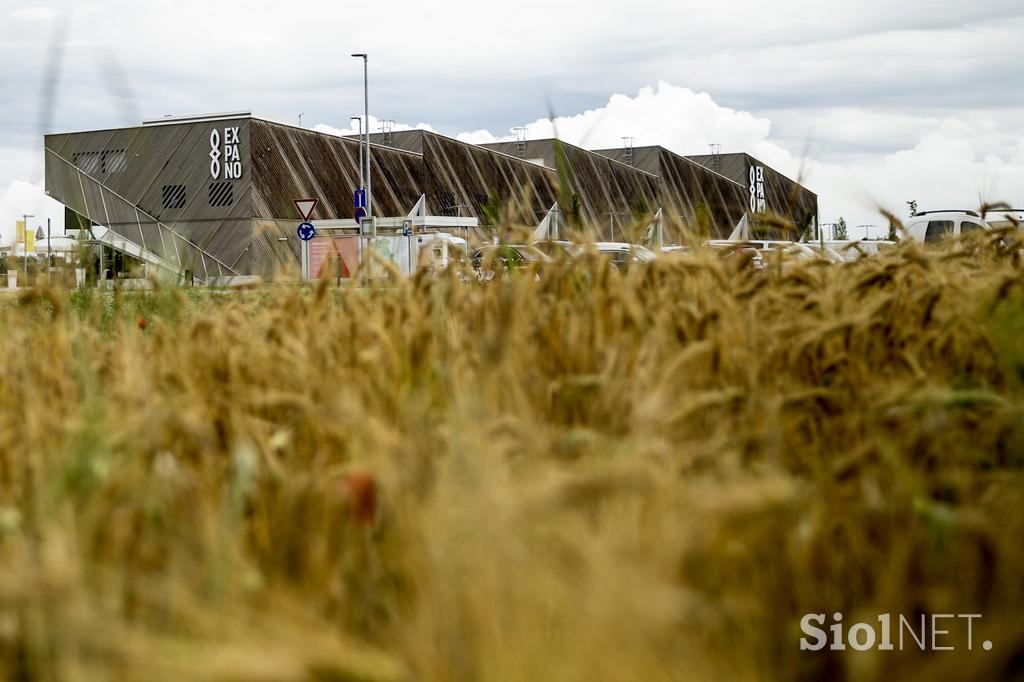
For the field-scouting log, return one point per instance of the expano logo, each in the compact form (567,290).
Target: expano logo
(757,199)
(232,163)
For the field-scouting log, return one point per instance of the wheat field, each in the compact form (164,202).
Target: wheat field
(589,475)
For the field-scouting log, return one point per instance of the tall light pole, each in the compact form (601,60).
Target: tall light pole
(366,131)
(24,246)
(359,122)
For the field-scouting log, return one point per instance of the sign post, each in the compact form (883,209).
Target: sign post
(25,245)
(304,259)
(305,232)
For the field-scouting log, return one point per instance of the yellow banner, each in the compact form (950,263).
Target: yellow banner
(21,231)
(30,241)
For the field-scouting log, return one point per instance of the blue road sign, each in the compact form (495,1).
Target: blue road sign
(306,231)
(359,198)
(360,214)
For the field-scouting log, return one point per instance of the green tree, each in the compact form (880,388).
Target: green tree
(893,236)
(576,212)
(492,210)
(840,233)
(913,207)
(640,209)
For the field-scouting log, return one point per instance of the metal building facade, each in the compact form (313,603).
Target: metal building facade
(151,185)
(765,188)
(214,194)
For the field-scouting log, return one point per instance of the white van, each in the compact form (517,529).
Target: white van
(933,226)
(439,249)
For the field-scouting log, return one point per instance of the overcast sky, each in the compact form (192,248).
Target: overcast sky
(877,102)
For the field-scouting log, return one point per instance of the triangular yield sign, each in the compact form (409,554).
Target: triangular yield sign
(305,207)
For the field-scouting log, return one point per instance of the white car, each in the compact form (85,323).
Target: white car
(854,249)
(555,248)
(727,251)
(769,247)
(933,226)
(620,254)
(1003,218)
(507,257)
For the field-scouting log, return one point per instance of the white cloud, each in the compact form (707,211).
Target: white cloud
(953,161)
(375,127)
(34,13)
(943,161)
(22,197)
(666,115)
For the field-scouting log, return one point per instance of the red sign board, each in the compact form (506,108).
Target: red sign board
(334,256)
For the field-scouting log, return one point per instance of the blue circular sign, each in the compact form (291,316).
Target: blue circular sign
(360,214)
(306,231)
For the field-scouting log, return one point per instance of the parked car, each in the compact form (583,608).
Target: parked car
(488,260)
(1004,218)
(825,251)
(851,250)
(770,248)
(555,248)
(739,253)
(930,227)
(621,255)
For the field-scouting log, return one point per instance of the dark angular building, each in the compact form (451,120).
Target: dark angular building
(214,194)
(767,190)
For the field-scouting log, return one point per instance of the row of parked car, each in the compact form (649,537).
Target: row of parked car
(754,253)
(622,256)
(751,252)
(442,249)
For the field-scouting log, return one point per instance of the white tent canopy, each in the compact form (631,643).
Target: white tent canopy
(548,227)
(52,245)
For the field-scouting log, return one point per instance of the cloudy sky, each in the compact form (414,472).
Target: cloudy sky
(874,102)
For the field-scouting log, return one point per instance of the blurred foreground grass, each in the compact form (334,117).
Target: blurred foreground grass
(592,476)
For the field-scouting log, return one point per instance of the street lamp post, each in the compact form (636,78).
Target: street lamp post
(359,121)
(24,244)
(366,131)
